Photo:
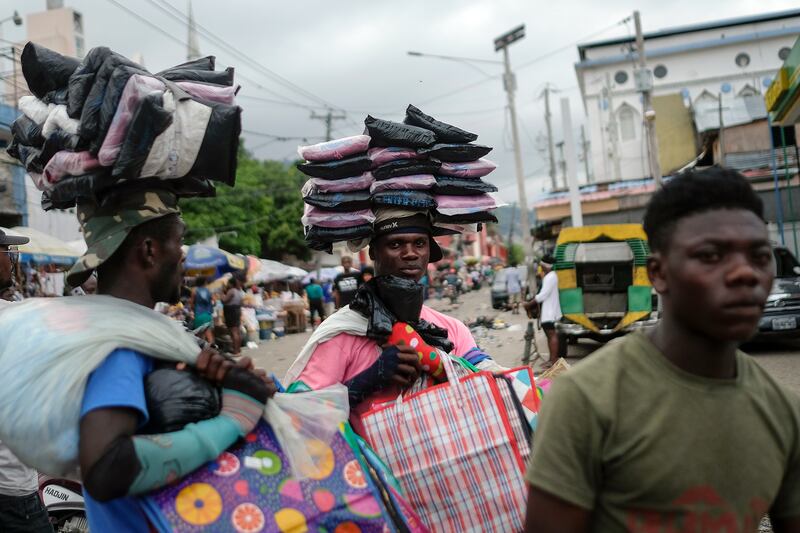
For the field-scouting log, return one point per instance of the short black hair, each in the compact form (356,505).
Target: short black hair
(693,192)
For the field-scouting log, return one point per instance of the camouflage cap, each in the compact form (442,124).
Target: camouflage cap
(106,227)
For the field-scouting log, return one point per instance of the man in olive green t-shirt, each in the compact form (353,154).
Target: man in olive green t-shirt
(676,430)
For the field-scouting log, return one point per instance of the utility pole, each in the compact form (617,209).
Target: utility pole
(644,84)
(721,133)
(510,84)
(328,118)
(585,148)
(571,157)
(612,130)
(562,163)
(550,150)
(511,226)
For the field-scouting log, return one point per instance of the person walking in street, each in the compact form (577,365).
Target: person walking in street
(676,429)
(514,288)
(316,304)
(346,284)
(550,308)
(401,246)
(201,303)
(232,311)
(21,510)
(141,261)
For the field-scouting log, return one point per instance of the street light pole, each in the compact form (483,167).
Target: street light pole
(509,82)
(644,84)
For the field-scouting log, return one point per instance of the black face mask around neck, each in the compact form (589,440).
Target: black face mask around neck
(385,300)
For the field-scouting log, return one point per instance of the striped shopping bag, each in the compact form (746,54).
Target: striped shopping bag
(455,453)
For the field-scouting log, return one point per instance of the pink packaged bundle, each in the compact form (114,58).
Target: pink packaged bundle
(471,169)
(65,163)
(314,216)
(356,183)
(449,205)
(335,149)
(416,182)
(381,156)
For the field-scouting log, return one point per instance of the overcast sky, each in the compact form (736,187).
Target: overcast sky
(352,54)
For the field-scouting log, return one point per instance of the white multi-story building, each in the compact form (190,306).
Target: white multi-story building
(710,65)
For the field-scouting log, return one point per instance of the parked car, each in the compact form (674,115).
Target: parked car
(782,312)
(499,290)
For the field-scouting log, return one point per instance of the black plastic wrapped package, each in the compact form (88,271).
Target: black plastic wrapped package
(388,133)
(331,235)
(340,201)
(217,157)
(149,121)
(215,77)
(470,218)
(405,199)
(93,104)
(81,81)
(456,153)
(45,70)
(462,186)
(27,132)
(406,167)
(176,398)
(333,170)
(444,132)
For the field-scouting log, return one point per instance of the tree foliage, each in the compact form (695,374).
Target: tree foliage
(260,216)
(516,255)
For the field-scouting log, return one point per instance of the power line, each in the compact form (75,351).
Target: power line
(523,65)
(167,8)
(175,39)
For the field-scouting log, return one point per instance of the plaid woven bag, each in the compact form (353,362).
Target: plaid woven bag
(454,451)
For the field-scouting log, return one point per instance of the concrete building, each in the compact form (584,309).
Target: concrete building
(61,29)
(696,69)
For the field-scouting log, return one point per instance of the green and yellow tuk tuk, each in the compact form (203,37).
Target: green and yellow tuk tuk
(602,281)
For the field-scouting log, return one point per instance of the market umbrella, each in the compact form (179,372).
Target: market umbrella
(44,249)
(202,260)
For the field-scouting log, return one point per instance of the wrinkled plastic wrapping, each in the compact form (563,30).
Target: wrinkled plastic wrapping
(301,419)
(406,167)
(388,133)
(178,397)
(27,132)
(340,201)
(382,155)
(456,153)
(448,185)
(419,182)
(45,70)
(471,169)
(334,150)
(332,170)
(34,109)
(314,216)
(321,234)
(356,183)
(405,199)
(49,347)
(464,218)
(459,205)
(444,132)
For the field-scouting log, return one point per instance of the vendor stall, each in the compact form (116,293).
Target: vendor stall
(202,260)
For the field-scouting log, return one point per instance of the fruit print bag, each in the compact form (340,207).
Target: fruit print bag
(250,489)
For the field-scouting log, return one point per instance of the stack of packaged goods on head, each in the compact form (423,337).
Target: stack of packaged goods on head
(421,164)
(336,196)
(103,125)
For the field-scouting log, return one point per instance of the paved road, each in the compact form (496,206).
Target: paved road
(782,360)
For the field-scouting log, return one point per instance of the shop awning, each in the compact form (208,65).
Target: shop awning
(44,249)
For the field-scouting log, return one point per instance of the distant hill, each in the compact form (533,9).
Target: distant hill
(504,215)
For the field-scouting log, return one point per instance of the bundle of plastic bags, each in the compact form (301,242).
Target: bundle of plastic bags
(48,348)
(408,165)
(95,123)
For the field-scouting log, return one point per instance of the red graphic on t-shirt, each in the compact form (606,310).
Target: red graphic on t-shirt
(698,510)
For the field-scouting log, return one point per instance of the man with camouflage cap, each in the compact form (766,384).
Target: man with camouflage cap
(134,244)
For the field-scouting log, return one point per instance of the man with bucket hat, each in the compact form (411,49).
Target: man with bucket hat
(134,244)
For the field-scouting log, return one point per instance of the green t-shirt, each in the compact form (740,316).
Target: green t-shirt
(314,291)
(649,447)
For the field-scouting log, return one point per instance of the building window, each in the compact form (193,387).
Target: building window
(627,123)
(621,77)
(784,52)
(748,90)
(742,59)
(660,71)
